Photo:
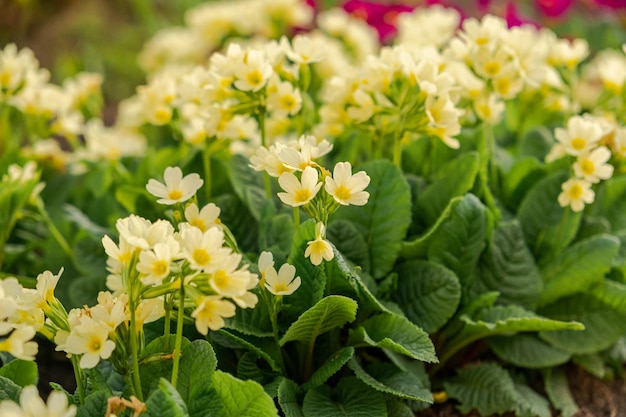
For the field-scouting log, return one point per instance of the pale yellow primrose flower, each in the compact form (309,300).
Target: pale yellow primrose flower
(20,345)
(155,263)
(31,405)
(210,313)
(346,188)
(204,251)
(299,193)
(592,166)
(319,248)
(581,135)
(576,193)
(89,339)
(203,219)
(176,188)
(283,282)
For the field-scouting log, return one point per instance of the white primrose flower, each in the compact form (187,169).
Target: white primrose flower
(576,193)
(592,166)
(299,192)
(210,313)
(319,248)
(283,281)
(346,188)
(203,219)
(304,50)
(253,73)
(267,160)
(581,135)
(89,339)
(31,405)
(229,280)
(46,283)
(204,250)
(155,263)
(176,188)
(284,99)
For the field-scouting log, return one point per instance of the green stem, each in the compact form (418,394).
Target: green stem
(168,323)
(134,351)
(296,216)
(179,333)
(276,303)
(268,185)
(490,142)
(397,151)
(78,375)
(56,234)
(206,161)
(308,362)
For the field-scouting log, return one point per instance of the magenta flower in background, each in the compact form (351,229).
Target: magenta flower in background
(381,17)
(514,18)
(612,4)
(553,8)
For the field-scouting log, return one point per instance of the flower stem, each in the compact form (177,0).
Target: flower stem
(179,334)
(276,303)
(78,375)
(56,234)
(206,161)
(134,351)
(296,216)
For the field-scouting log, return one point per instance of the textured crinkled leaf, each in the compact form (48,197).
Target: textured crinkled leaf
(95,405)
(197,365)
(347,239)
(275,234)
(9,390)
(288,394)
(351,398)
(397,333)
(612,293)
(604,325)
(259,346)
(593,363)
(399,409)
(329,313)
(21,372)
(509,268)
(387,378)
(428,293)
(530,404)
(523,175)
(527,351)
(578,267)
(232,397)
(541,218)
(248,185)
(312,277)
(165,401)
(454,180)
(252,321)
(239,220)
(485,387)
(557,388)
(611,202)
(385,219)
(156,362)
(330,367)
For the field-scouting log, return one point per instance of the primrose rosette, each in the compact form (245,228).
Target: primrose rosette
(308,211)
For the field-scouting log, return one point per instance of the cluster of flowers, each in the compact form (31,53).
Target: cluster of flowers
(301,179)
(592,141)
(31,405)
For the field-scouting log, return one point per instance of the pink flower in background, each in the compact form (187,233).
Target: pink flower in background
(514,18)
(553,8)
(381,17)
(612,4)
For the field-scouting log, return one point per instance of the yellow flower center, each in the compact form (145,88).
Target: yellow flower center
(280,287)
(94,344)
(587,167)
(200,256)
(162,116)
(343,193)
(220,278)
(288,102)
(575,192)
(503,86)
(199,223)
(579,144)
(174,195)
(482,41)
(318,246)
(254,78)
(302,195)
(160,267)
(5,78)
(492,68)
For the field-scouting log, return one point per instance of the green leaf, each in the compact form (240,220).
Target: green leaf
(262,347)
(156,362)
(524,174)
(21,372)
(592,363)
(288,394)
(388,379)
(248,185)
(252,321)
(329,313)
(95,405)
(579,267)
(453,180)
(9,390)
(485,387)
(199,355)
(611,202)
(458,242)
(530,404)
(603,324)
(385,219)
(390,331)
(548,227)
(557,388)
(399,409)
(232,397)
(312,277)
(351,398)
(428,293)
(275,234)
(347,239)
(509,268)
(527,351)
(330,367)
(612,293)
(239,220)
(165,401)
